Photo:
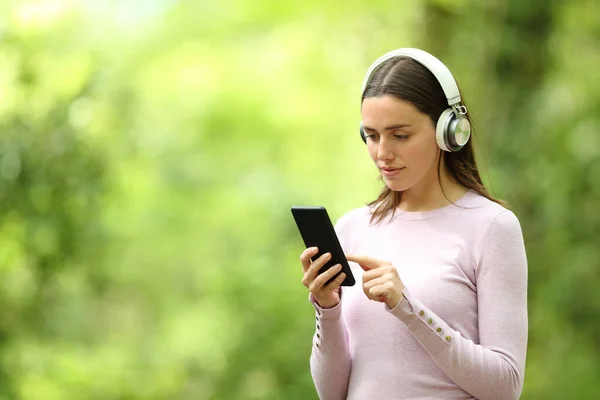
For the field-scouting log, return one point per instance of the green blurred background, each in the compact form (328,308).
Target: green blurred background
(150,151)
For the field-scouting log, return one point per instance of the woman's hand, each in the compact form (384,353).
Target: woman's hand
(381,281)
(327,295)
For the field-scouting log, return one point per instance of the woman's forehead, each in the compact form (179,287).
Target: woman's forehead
(387,109)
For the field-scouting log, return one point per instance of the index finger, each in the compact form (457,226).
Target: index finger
(305,257)
(367,263)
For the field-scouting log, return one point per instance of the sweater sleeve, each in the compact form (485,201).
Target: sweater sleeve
(330,358)
(494,368)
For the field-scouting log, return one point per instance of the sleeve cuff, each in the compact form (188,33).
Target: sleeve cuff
(404,305)
(428,328)
(334,312)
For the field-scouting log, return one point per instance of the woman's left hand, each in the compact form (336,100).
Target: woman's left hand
(381,281)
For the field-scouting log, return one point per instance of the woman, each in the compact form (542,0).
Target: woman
(442,309)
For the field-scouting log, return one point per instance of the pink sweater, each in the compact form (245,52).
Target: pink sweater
(461,330)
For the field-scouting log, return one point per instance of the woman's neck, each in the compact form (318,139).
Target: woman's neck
(428,195)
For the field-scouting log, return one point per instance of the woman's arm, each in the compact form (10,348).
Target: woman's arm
(330,358)
(330,362)
(494,368)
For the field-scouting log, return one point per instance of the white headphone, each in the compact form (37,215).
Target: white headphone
(453,129)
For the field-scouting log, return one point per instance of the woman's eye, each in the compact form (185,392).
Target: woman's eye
(401,137)
(372,137)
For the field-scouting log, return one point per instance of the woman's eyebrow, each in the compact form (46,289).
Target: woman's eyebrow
(387,128)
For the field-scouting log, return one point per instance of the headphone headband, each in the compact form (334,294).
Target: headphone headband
(437,68)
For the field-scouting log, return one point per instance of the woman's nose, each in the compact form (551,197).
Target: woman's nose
(384,150)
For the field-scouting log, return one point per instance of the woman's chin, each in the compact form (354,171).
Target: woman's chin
(395,185)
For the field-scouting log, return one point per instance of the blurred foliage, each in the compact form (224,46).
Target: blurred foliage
(150,151)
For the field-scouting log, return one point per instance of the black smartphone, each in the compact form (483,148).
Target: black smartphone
(317,230)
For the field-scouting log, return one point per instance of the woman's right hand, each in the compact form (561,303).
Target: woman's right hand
(327,295)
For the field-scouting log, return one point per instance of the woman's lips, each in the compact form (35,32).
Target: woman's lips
(391,171)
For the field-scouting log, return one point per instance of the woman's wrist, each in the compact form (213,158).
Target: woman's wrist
(326,304)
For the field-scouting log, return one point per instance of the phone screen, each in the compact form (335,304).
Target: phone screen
(317,230)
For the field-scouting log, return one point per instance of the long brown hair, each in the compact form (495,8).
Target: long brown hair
(408,80)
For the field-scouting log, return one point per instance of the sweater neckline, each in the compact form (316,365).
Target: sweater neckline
(461,203)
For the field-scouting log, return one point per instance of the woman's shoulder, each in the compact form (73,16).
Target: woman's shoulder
(488,214)
(472,209)
(348,225)
(354,215)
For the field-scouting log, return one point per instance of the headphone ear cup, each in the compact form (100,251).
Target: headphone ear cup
(441,129)
(363,136)
(459,132)
(452,132)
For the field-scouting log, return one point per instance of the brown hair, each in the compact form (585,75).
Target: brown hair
(408,80)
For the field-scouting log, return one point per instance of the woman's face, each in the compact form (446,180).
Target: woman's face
(401,142)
